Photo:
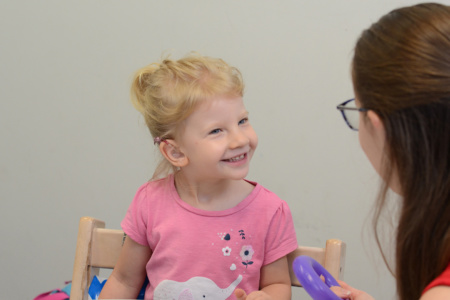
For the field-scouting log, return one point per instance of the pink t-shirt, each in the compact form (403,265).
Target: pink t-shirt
(198,254)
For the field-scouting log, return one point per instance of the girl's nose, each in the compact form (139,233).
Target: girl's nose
(238,139)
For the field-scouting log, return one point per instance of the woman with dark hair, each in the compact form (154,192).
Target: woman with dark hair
(401,78)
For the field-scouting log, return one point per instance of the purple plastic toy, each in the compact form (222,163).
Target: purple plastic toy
(308,272)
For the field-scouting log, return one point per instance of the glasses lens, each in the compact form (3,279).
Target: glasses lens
(352,116)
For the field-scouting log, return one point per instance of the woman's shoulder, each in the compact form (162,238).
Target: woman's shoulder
(440,292)
(439,288)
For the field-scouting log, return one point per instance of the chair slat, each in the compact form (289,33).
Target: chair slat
(105,248)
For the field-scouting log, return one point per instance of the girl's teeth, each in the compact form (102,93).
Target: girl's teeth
(237,158)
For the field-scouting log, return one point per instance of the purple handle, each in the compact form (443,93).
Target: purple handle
(308,272)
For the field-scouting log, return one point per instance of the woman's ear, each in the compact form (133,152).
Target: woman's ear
(172,153)
(375,120)
(376,124)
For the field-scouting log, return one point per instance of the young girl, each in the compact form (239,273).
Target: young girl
(198,229)
(401,78)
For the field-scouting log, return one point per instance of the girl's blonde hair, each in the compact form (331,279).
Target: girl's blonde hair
(167,92)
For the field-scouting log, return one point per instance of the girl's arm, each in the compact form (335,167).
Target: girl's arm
(128,276)
(275,283)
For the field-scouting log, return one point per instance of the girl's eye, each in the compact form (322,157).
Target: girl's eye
(243,121)
(215,131)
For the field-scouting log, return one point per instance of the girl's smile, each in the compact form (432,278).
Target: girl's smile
(218,140)
(237,158)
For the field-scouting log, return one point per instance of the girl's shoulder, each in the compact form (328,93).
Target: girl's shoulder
(156,184)
(268,200)
(266,195)
(155,189)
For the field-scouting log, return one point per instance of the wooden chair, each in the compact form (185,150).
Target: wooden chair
(332,257)
(99,248)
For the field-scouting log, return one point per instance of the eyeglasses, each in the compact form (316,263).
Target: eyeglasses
(350,113)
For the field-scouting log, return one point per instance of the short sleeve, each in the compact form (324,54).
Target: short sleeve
(281,237)
(135,223)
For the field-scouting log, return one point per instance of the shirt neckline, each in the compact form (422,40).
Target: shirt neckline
(213,213)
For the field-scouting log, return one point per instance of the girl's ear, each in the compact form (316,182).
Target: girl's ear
(171,152)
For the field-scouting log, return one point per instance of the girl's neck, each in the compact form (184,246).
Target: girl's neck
(212,195)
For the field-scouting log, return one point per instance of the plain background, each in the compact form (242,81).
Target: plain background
(72,145)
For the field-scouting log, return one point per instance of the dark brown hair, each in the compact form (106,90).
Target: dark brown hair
(401,70)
